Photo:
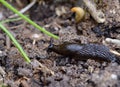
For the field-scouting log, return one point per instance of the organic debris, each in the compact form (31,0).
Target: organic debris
(53,70)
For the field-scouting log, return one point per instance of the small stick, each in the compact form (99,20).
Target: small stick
(114,41)
(2,72)
(44,68)
(25,8)
(24,83)
(98,15)
(8,42)
(115,52)
(19,3)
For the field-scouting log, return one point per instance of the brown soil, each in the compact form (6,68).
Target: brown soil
(89,73)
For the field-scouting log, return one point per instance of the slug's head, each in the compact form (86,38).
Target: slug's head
(50,47)
(79,13)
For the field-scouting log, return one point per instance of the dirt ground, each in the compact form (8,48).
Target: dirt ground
(15,72)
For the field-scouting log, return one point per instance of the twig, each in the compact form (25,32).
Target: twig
(2,72)
(19,3)
(43,68)
(8,42)
(98,15)
(25,8)
(24,83)
(115,52)
(114,41)
(46,69)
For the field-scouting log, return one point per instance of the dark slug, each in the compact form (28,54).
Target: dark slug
(84,51)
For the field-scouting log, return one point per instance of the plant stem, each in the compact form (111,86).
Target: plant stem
(10,20)
(15,43)
(27,19)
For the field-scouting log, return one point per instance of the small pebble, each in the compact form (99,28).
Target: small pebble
(113,76)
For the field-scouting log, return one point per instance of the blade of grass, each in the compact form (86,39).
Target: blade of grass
(11,19)
(15,43)
(27,19)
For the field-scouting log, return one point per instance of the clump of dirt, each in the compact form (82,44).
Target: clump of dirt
(68,72)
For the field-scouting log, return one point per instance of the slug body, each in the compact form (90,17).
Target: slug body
(84,51)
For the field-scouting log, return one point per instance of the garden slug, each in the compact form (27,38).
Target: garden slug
(84,51)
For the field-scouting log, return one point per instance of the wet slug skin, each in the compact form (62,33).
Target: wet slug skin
(84,51)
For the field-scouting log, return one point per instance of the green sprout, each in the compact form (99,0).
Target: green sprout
(27,19)
(15,42)
(10,20)
(25,56)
